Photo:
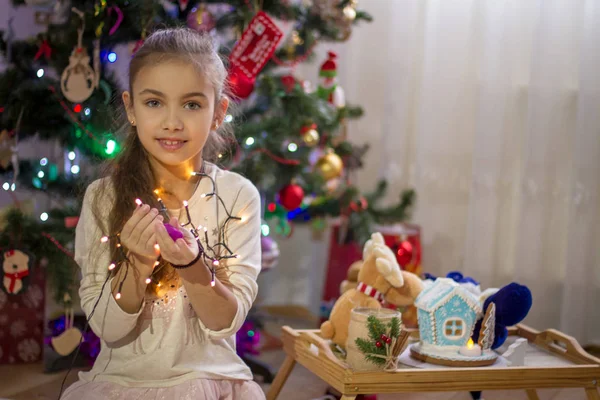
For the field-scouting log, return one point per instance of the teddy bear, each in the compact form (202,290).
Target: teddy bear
(380,280)
(15,264)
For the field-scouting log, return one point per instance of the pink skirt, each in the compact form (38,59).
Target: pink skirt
(194,389)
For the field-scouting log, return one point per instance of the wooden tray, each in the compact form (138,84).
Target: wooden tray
(554,360)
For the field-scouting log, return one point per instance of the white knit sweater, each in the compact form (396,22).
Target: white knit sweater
(165,343)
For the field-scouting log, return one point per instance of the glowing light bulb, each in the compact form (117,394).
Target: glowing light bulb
(156,262)
(72,155)
(75,169)
(212,283)
(112,57)
(44,217)
(156,247)
(220,155)
(111,266)
(249,141)
(148,280)
(156,191)
(228,118)
(265,229)
(111,145)
(138,202)
(87,111)
(13,187)
(41,174)
(40,72)
(216,262)
(292,147)
(6,186)
(118,296)
(104,239)
(185,203)
(44,162)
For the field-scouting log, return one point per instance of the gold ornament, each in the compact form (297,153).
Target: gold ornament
(330,165)
(349,13)
(310,135)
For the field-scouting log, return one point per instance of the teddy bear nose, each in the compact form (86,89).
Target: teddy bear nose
(15,266)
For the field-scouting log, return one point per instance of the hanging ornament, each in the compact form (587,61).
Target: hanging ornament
(329,89)
(310,135)
(200,19)
(291,196)
(329,11)
(79,80)
(255,48)
(270,252)
(350,10)
(16,265)
(289,82)
(405,253)
(330,165)
(67,341)
(241,86)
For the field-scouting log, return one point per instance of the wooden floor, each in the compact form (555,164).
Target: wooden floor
(28,382)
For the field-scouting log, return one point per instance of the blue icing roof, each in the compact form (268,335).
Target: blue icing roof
(440,291)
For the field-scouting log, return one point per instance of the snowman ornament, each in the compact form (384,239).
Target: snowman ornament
(328,86)
(79,80)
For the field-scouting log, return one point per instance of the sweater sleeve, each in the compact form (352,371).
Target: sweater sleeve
(106,318)
(243,238)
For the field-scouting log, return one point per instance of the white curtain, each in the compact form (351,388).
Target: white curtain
(491,111)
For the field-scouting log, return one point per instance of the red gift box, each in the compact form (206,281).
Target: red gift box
(22,321)
(403,239)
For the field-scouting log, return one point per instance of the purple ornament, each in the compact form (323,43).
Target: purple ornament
(266,243)
(199,19)
(173,232)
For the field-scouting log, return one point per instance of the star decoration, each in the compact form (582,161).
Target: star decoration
(215,232)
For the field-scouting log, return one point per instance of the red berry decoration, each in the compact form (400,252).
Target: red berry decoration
(291,196)
(383,337)
(378,344)
(388,340)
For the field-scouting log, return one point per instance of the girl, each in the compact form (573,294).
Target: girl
(168,311)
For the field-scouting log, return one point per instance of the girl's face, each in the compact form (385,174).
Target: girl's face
(173,109)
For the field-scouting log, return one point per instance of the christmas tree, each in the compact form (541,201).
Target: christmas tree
(290,135)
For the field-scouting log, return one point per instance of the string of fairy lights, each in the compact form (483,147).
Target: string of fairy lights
(212,255)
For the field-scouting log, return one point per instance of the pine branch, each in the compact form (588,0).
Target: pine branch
(367,348)
(395,327)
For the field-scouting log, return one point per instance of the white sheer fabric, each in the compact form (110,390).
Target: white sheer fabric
(491,111)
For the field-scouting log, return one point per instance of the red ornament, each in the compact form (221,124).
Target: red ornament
(272,207)
(241,86)
(384,338)
(256,46)
(388,340)
(405,253)
(291,196)
(289,82)
(71,222)
(378,344)
(77,108)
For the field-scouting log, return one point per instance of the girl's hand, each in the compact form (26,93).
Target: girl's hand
(138,234)
(179,252)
